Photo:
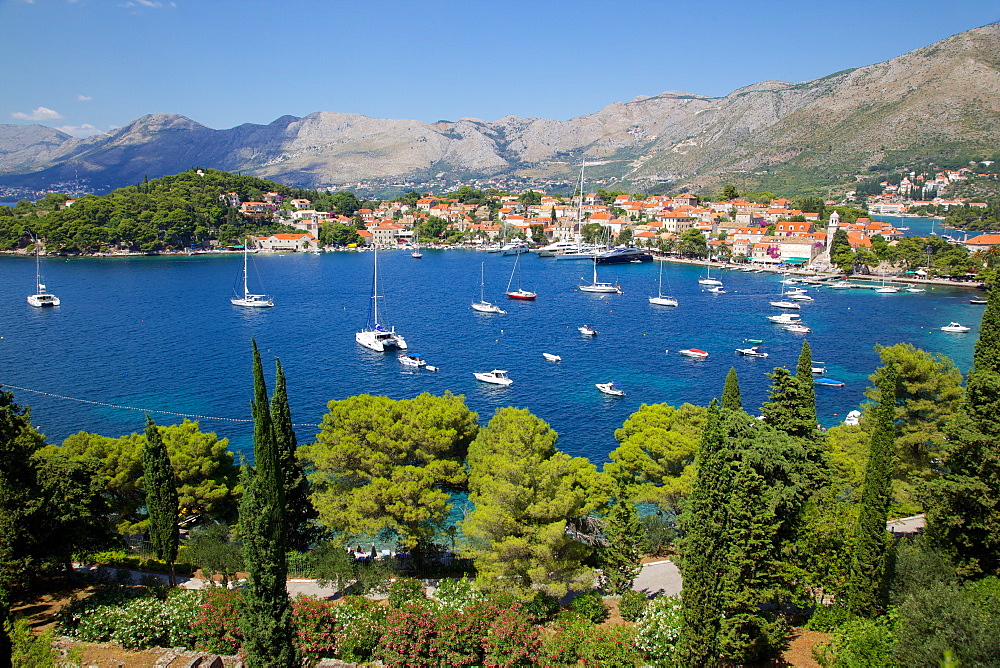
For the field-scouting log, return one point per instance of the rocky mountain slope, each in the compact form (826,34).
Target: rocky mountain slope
(940,101)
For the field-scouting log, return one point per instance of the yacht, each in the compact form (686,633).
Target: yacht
(515,248)
(785,318)
(610,388)
(752,351)
(623,255)
(597,286)
(587,330)
(853,418)
(482,305)
(955,328)
(248,299)
(42,297)
(374,335)
(496,377)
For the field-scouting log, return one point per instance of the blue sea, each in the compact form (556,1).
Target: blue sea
(159,334)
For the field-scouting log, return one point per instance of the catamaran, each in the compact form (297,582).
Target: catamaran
(42,297)
(375,336)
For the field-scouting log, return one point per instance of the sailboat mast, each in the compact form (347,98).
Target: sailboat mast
(246,289)
(579,208)
(38,269)
(482,282)
(375,289)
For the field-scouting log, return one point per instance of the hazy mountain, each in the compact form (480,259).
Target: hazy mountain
(941,101)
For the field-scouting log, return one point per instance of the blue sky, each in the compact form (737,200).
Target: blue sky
(91,65)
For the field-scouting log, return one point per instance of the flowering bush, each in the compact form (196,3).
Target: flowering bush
(409,635)
(590,605)
(511,640)
(562,646)
(658,629)
(217,626)
(360,625)
(457,594)
(632,605)
(315,627)
(136,623)
(459,636)
(610,647)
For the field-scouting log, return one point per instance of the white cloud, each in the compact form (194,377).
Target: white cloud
(85,130)
(39,114)
(83,98)
(149,4)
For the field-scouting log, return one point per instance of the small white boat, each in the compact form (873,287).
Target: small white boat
(785,318)
(587,330)
(915,290)
(784,303)
(799,296)
(887,290)
(412,360)
(819,368)
(552,358)
(694,352)
(482,305)
(496,377)
(978,300)
(797,329)
(716,290)
(610,388)
(955,328)
(708,280)
(853,419)
(752,351)
(840,285)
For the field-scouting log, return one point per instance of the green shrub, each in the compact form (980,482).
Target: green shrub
(658,629)
(315,627)
(28,649)
(590,605)
(860,643)
(542,607)
(610,647)
(406,590)
(457,594)
(217,625)
(360,625)
(561,647)
(141,622)
(632,605)
(828,618)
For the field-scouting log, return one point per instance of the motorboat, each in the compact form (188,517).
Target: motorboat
(800,297)
(853,419)
(496,377)
(785,318)
(797,329)
(624,255)
(610,388)
(515,248)
(955,328)
(520,293)
(755,342)
(819,368)
(482,305)
(491,248)
(828,382)
(412,360)
(716,290)
(915,290)
(978,300)
(579,251)
(597,286)
(694,352)
(42,296)
(784,303)
(375,336)
(752,351)
(248,299)
(840,285)
(551,357)
(587,330)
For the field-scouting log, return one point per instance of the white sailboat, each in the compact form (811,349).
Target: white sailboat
(416,254)
(886,289)
(662,299)
(375,336)
(597,286)
(42,297)
(482,305)
(249,299)
(708,280)
(785,303)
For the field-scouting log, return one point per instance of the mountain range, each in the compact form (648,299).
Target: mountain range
(939,103)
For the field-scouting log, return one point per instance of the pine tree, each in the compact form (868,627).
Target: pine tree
(731,392)
(803,374)
(266,620)
(866,583)
(618,556)
(963,513)
(299,510)
(161,496)
(702,550)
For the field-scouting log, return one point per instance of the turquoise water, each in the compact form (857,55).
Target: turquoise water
(159,333)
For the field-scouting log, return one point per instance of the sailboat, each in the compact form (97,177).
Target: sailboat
(416,254)
(597,286)
(482,305)
(42,297)
(520,293)
(661,299)
(249,299)
(708,280)
(374,336)
(785,303)
(886,289)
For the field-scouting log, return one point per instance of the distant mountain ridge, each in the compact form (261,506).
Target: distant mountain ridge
(940,100)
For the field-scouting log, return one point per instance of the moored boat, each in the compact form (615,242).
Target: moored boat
(752,351)
(694,352)
(496,377)
(610,388)
(587,330)
(955,328)
(552,357)
(828,382)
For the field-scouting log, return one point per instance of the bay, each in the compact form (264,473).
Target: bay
(159,334)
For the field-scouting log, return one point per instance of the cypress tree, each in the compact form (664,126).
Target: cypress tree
(266,620)
(791,408)
(731,392)
(702,566)
(618,556)
(963,513)
(299,510)
(866,582)
(803,374)
(161,496)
